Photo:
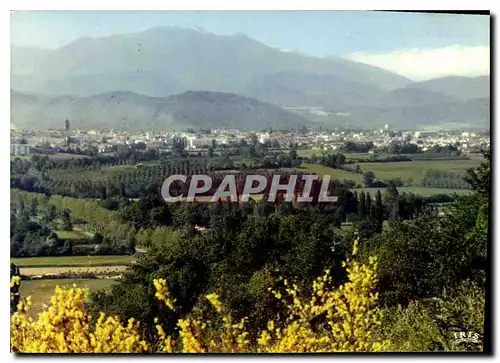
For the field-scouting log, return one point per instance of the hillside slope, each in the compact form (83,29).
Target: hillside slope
(130,111)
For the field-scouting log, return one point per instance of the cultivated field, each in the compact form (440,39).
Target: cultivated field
(415,169)
(72,235)
(334,173)
(73,261)
(309,152)
(41,290)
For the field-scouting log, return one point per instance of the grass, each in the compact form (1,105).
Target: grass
(72,235)
(334,173)
(309,152)
(76,261)
(365,155)
(415,169)
(42,290)
(426,192)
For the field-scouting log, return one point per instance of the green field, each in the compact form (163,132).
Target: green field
(426,192)
(309,152)
(415,169)
(334,173)
(365,156)
(72,235)
(75,261)
(42,290)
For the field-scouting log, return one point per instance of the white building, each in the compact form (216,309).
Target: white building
(422,134)
(263,137)
(196,143)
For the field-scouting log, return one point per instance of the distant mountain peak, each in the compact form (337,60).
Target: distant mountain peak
(169,60)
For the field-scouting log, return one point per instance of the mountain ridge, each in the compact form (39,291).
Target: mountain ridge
(180,60)
(131,111)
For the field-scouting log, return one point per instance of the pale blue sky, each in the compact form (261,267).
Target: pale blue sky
(312,32)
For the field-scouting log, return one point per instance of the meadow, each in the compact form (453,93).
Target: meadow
(414,170)
(72,261)
(41,290)
(334,173)
(75,235)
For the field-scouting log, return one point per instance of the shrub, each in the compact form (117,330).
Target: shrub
(327,319)
(431,324)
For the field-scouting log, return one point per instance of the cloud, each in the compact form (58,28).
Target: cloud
(423,64)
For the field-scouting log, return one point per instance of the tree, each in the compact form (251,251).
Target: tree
(340,160)
(379,211)
(479,178)
(66,221)
(395,210)
(368,205)
(391,193)
(422,256)
(362,205)
(66,125)
(369,177)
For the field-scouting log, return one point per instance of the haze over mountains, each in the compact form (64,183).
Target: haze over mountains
(129,81)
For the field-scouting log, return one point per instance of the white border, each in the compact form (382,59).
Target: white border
(193,5)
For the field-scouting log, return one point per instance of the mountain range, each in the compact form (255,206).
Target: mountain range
(169,77)
(134,112)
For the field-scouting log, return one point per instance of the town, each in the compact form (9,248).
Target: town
(92,142)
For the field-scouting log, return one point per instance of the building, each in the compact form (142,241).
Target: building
(197,143)
(423,134)
(19,149)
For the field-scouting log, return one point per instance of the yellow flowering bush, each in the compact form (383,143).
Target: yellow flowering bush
(65,327)
(348,318)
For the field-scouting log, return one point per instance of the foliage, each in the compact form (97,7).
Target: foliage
(479,178)
(15,282)
(432,324)
(420,257)
(65,327)
(348,318)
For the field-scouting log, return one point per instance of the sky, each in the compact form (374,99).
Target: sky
(416,45)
